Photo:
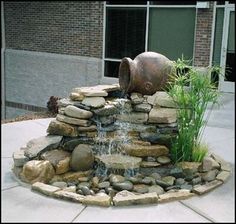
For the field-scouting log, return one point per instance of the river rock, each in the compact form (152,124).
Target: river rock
(76,112)
(157,189)
(145,150)
(116,178)
(82,158)
(163,159)
(85,190)
(162,115)
(60,184)
(39,145)
(149,164)
(143,107)
(169,180)
(94,102)
(60,160)
(60,128)
(210,175)
(140,188)
(37,171)
(126,185)
(104,184)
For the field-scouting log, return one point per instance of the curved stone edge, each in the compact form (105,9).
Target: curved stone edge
(133,199)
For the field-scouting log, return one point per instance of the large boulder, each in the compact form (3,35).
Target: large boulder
(82,158)
(37,171)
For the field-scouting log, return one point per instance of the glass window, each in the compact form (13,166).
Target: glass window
(125,32)
(111,69)
(171,32)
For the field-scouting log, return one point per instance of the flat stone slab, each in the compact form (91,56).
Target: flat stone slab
(133,117)
(44,188)
(175,195)
(162,115)
(95,101)
(117,161)
(63,194)
(36,146)
(149,164)
(129,199)
(19,158)
(223,176)
(76,112)
(145,150)
(73,121)
(206,187)
(60,128)
(161,98)
(99,200)
(71,176)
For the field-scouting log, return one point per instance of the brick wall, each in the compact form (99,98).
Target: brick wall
(73,27)
(203,36)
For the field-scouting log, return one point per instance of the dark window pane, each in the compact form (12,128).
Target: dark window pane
(126,2)
(125,32)
(112,69)
(230,67)
(220,2)
(173,2)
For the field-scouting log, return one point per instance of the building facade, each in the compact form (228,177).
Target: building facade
(50,47)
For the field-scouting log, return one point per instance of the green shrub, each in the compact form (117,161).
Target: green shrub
(199,152)
(192,91)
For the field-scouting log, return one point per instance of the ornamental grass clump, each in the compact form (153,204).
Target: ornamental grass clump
(191,91)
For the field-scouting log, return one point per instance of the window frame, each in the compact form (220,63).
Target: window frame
(112,80)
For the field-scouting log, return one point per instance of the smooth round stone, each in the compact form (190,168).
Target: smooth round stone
(101,194)
(104,184)
(169,180)
(140,188)
(60,184)
(163,159)
(92,192)
(156,176)
(186,186)
(179,181)
(156,188)
(116,179)
(85,190)
(84,184)
(83,179)
(126,185)
(151,159)
(82,158)
(134,180)
(148,180)
(196,180)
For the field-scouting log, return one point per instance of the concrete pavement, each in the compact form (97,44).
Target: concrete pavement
(20,204)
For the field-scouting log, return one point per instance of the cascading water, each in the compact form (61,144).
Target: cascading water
(108,148)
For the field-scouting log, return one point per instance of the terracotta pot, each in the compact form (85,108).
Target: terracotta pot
(146,74)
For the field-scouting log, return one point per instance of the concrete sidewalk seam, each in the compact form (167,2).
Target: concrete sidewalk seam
(199,212)
(78,214)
